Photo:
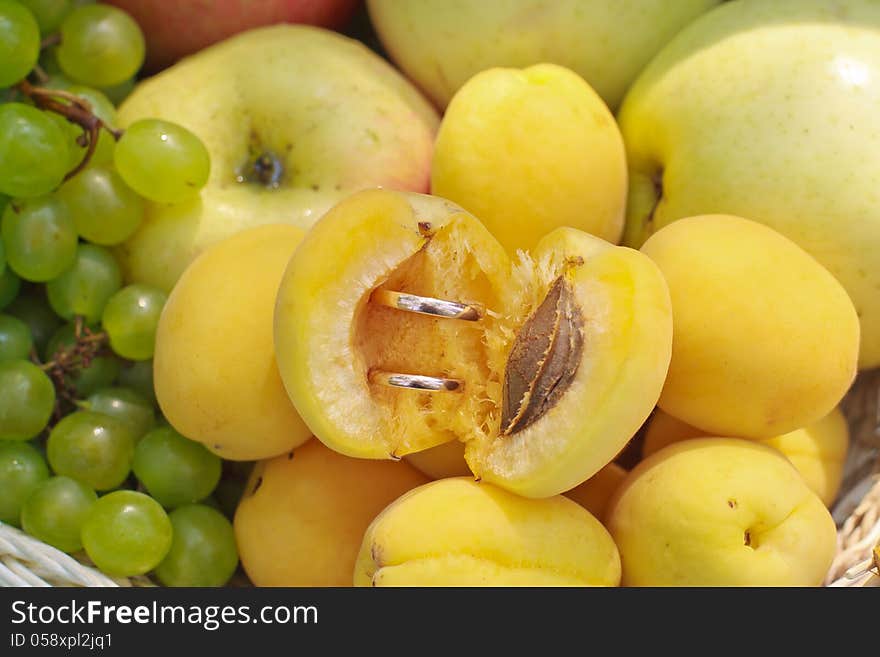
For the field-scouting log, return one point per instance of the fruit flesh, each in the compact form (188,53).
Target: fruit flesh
(331,337)
(457,532)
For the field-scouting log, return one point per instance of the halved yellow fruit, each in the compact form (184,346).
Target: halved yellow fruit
(565,361)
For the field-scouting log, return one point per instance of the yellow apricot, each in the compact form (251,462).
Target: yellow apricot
(817,451)
(444,460)
(766,339)
(458,532)
(530,150)
(720,512)
(302,516)
(595,493)
(214,367)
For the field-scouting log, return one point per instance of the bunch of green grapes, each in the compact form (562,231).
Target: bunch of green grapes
(87,464)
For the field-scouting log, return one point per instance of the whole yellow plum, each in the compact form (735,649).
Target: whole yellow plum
(303,514)
(817,451)
(530,150)
(214,367)
(765,340)
(459,532)
(720,512)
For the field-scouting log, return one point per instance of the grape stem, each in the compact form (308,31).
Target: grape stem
(51,40)
(69,359)
(76,110)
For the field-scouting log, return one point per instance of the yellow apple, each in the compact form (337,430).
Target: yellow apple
(294,118)
(442,43)
(768,110)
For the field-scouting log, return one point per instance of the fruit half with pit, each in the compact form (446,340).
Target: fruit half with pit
(458,532)
(817,451)
(294,118)
(303,515)
(402,324)
(720,512)
(529,150)
(766,340)
(214,368)
(768,110)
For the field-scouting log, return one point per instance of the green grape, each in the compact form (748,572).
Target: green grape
(27,399)
(174,469)
(2,249)
(33,151)
(39,238)
(203,550)
(131,317)
(10,284)
(71,132)
(100,373)
(126,405)
(139,377)
(162,161)
(103,108)
(93,448)
(105,210)
(19,42)
(84,288)
(15,338)
(126,533)
(34,310)
(49,13)
(55,511)
(100,45)
(22,469)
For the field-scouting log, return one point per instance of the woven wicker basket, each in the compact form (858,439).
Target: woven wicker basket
(25,561)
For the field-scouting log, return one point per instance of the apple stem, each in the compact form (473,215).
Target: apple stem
(76,110)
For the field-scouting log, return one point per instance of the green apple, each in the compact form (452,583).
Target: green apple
(769,111)
(294,118)
(442,43)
